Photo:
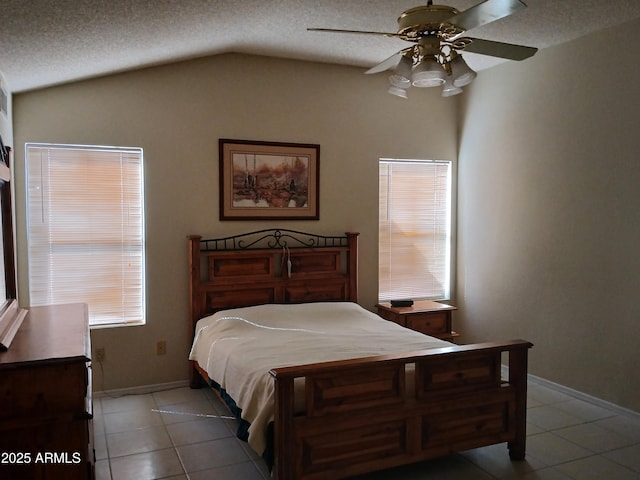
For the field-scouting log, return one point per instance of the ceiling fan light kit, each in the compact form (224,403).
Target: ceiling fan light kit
(435,59)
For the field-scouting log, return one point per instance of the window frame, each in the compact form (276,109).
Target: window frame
(443,212)
(134,160)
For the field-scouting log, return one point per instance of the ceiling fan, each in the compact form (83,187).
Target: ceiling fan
(435,57)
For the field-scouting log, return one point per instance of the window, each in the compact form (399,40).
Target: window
(85,230)
(414,229)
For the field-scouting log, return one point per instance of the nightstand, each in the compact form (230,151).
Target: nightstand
(425,316)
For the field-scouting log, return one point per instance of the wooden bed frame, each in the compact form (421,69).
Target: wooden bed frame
(360,415)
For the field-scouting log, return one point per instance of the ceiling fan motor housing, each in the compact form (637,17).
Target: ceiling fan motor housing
(418,21)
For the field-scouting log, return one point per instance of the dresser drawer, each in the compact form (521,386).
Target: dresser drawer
(52,450)
(428,323)
(43,390)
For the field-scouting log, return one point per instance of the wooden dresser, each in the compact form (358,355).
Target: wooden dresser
(425,316)
(46,429)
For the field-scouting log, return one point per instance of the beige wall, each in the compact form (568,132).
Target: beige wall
(549,229)
(177,113)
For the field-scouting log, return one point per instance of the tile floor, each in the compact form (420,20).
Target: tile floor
(136,438)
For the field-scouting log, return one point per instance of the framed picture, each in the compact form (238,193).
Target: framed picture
(268,180)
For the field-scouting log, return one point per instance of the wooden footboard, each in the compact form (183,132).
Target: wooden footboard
(368,414)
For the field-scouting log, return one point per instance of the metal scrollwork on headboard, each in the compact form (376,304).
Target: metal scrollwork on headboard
(273,238)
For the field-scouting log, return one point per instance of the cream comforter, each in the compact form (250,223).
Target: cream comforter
(238,347)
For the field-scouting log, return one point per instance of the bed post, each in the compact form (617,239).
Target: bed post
(352,265)
(194,300)
(518,378)
(285,454)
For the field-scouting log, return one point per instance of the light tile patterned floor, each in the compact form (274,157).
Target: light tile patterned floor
(568,438)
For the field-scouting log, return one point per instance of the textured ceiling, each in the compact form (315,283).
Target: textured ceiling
(47,42)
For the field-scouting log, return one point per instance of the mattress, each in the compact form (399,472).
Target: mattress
(238,347)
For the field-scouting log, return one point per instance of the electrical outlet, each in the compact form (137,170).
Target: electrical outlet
(161,347)
(100,355)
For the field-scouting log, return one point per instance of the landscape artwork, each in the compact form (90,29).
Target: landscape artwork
(268,180)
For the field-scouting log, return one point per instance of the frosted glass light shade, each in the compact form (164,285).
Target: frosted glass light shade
(449,89)
(401,76)
(397,91)
(428,73)
(461,73)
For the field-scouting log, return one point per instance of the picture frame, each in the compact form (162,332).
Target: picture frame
(269,180)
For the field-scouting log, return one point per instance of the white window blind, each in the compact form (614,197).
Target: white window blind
(85,230)
(414,229)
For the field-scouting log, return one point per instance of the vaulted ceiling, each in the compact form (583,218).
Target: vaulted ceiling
(48,42)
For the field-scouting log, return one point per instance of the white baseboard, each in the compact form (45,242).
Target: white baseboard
(119,392)
(576,394)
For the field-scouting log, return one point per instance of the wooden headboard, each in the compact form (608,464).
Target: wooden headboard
(252,269)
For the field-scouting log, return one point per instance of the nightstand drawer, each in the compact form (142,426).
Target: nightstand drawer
(393,317)
(428,323)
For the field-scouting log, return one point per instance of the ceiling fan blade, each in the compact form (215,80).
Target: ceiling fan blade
(333,30)
(499,49)
(485,12)
(390,62)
